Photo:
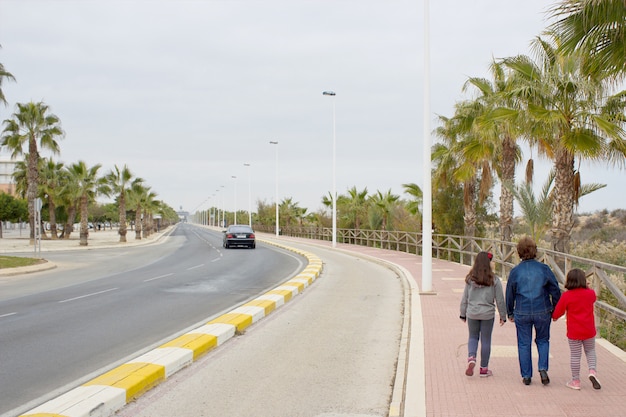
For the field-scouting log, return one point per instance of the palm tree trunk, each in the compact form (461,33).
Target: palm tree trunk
(469,207)
(122,229)
(33,183)
(84,214)
(53,219)
(563,209)
(506,196)
(138,223)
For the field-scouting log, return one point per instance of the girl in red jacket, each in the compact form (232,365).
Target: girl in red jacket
(578,302)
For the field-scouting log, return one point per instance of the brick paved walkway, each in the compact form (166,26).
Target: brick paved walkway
(449,393)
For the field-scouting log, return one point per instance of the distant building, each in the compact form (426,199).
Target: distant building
(7,168)
(183,215)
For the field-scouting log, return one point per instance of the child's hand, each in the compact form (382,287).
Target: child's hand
(502,322)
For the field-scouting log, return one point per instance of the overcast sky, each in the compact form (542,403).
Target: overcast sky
(186,92)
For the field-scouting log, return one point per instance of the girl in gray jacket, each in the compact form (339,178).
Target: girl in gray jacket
(483,290)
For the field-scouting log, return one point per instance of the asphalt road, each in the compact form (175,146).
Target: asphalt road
(59,328)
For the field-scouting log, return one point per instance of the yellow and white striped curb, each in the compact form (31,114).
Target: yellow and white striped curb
(109,392)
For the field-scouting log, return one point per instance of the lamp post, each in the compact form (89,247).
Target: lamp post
(276,174)
(235,200)
(223,224)
(334,191)
(427,231)
(249,195)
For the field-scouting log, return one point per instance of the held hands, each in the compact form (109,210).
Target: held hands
(502,322)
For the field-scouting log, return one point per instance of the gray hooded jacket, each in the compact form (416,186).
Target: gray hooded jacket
(479,302)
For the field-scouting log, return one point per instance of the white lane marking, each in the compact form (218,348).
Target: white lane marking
(159,277)
(194,267)
(88,295)
(7,315)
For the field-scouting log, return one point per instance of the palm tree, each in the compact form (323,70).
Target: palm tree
(384,203)
(50,189)
(414,206)
(572,120)
(135,195)
(149,205)
(31,123)
(120,180)
(537,210)
(354,205)
(4,75)
(88,186)
(596,28)
(466,157)
(501,120)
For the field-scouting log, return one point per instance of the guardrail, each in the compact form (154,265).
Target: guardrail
(609,281)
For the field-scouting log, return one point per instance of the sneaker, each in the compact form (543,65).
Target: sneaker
(485,372)
(526,381)
(594,379)
(471,363)
(573,384)
(545,380)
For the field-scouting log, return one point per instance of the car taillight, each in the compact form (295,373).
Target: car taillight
(252,235)
(229,235)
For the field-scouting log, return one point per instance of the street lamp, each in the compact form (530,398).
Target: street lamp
(334,191)
(249,195)
(277,222)
(223,224)
(235,211)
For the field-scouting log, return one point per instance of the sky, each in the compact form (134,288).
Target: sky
(186,92)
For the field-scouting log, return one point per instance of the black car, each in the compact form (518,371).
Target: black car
(239,235)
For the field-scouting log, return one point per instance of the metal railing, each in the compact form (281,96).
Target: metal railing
(609,281)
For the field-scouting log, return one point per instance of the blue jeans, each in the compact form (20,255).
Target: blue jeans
(480,329)
(524,325)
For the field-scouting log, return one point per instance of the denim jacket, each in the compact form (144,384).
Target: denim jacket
(531,288)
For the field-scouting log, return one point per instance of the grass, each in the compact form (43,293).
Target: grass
(16,261)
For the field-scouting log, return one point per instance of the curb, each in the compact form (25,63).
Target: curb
(109,392)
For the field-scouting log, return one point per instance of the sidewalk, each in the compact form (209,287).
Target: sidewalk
(448,392)
(16,242)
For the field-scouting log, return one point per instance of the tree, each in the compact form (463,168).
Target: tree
(88,185)
(573,119)
(537,210)
(595,28)
(50,188)
(4,75)
(32,123)
(414,206)
(11,209)
(500,120)
(384,203)
(465,156)
(354,207)
(120,181)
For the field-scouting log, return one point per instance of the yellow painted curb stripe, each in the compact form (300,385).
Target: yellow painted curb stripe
(267,305)
(285,293)
(198,343)
(240,321)
(135,378)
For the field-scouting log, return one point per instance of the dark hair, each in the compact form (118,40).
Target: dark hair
(576,278)
(481,272)
(526,248)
